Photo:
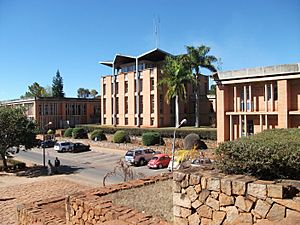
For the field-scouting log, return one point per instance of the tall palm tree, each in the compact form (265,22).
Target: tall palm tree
(197,58)
(175,75)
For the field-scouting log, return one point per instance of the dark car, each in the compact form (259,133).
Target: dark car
(47,144)
(79,147)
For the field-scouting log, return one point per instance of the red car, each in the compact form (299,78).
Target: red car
(159,161)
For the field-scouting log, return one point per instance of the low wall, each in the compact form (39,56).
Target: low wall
(91,207)
(208,197)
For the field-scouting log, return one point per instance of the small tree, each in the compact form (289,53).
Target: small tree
(83,93)
(15,130)
(57,86)
(93,93)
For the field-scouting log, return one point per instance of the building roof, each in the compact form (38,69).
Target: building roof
(154,55)
(266,72)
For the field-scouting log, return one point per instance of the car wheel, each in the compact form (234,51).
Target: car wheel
(160,166)
(142,162)
(63,149)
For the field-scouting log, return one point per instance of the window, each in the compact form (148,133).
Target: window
(141,121)
(117,121)
(126,105)
(104,106)
(161,104)
(141,105)
(117,105)
(152,103)
(126,121)
(135,121)
(104,120)
(152,122)
(275,91)
(104,89)
(117,88)
(141,84)
(126,86)
(152,84)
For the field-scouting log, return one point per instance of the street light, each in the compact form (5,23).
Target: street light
(44,163)
(184,121)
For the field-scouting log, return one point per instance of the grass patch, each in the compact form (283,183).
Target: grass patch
(155,199)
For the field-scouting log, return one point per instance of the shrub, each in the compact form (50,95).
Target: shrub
(50,131)
(79,133)
(271,154)
(151,138)
(121,137)
(68,132)
(98,134)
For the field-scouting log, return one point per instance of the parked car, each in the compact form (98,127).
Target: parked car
(47,144)
(159,161)
(79,147)
(63,146)
(139,156)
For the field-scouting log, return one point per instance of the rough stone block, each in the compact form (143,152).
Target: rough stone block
(181,200)
(289,203)
(198,188)
(243,218)
(195,179)
(239,187)
(213,184)
(204,211)
(243,203)
(257,190)
(262,208)
(178,176)
(203,182)
(214,194)
(292,213)
(203,195)
(213,203)
(191,193)
(194,219)
(206,221)
(196,204)
(275,191)
(184,183)
(232,213)
(176,187)
(180,221)
(218,217)
(277,212)
(226,186)
(226,200)
(184,212)
(176,210)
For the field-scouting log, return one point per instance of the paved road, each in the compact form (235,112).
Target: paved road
(88,167)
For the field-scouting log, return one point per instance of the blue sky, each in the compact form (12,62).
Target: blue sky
(37,37)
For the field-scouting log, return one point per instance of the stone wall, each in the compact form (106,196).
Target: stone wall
(208,197)
(89,208)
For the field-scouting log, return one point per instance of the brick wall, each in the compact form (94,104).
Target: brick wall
(208,197)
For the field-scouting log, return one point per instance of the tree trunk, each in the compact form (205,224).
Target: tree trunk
(197,103)
(176,111)
(4,160)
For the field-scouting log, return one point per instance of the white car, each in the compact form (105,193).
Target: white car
(63,146)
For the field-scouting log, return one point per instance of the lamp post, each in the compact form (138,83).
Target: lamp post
(44,163)
(184,121)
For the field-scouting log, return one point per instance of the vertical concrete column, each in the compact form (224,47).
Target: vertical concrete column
(240,126)
(230,128)
(250,98)
(266,122)
(272,98)
(137,80)
(283,103)
(234,99)
(222,121)
(260,122)
(245,124)
(266,97)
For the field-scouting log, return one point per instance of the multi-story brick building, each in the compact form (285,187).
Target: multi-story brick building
(62,112)
(255,99)
(131,96)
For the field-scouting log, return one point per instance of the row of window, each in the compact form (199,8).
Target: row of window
(141,66)
(116,86)
(126,121)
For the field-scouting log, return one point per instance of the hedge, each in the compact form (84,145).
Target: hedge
(79,133)
(121,137)
(206,134)
(68,132)
(151,138)
(99,134)
(272,154)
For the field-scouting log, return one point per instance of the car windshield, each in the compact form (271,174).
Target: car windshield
(129,153)
(154,158)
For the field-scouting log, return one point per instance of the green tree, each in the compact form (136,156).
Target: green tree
(175,75)
(36,90)
(57,86)
(83,93)
(93,93)
(15,130)
(197,58)
(212,90)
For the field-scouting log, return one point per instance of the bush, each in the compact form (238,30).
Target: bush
(192,141)
(50,131)
(121,137)
(271,154)
(151,138)
(98,134)
(68,132)
(79,133)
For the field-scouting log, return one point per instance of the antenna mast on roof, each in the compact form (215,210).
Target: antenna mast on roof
(156,22)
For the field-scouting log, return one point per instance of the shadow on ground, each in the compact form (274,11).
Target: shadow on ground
(37,171)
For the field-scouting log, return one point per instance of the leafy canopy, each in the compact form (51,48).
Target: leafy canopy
(15,130)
